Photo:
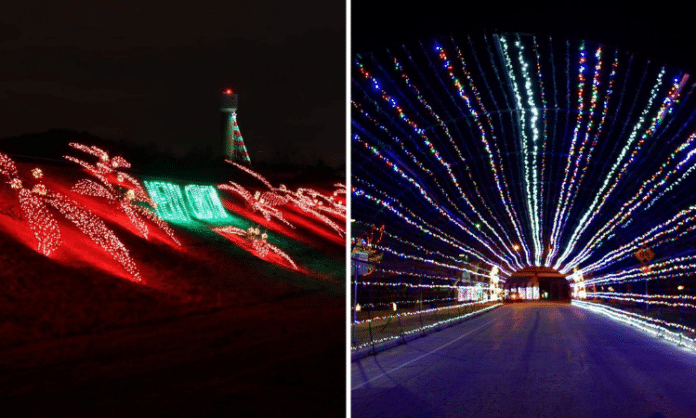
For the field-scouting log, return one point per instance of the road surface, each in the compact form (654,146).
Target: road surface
(529,360)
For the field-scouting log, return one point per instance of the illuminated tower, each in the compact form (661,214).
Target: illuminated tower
(232,141)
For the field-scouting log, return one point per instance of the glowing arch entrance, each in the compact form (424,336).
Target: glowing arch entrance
(536,283)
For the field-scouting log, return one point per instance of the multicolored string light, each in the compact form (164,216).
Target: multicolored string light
(521,151)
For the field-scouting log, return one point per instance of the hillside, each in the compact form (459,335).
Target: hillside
(222,322)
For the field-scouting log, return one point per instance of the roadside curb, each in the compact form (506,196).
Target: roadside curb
(378,348)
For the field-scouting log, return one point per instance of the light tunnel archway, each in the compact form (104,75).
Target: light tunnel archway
(518,150)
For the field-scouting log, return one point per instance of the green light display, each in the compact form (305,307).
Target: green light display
(197,201)
(204,202)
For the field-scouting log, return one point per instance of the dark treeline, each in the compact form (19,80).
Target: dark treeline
(203,165)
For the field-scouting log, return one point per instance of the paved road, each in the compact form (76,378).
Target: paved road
(529,360)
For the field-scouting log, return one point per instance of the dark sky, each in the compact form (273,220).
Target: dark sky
(154,71)
(663,31)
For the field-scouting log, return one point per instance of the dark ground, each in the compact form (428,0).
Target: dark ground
(263,360)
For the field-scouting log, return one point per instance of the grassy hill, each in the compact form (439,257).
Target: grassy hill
(214,327)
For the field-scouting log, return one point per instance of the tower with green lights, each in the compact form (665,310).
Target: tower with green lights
(232,142)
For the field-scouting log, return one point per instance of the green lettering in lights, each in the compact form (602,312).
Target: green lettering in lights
(170,202)
(204,202)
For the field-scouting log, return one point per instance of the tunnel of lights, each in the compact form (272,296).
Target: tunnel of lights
(483,156)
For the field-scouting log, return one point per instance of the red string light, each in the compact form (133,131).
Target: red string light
(257,239)
(35,204)
(120,189)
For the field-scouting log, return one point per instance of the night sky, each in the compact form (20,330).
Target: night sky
(663,32)
(153,72)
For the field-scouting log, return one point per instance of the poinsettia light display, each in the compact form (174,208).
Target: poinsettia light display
(36,205)
(312,202)
(308,200)
(266,202)
(258,241)
(119,189)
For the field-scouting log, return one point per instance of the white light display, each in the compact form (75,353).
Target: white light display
(654,326)
(461,294)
